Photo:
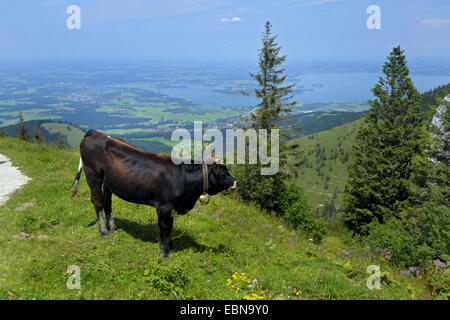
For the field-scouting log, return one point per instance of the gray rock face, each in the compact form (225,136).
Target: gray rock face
(440,133)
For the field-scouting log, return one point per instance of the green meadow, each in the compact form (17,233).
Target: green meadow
(324,175)
(73,134)
(224,250)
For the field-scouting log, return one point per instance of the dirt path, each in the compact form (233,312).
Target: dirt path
(10,179)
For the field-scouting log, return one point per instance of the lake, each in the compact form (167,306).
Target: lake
(325,87)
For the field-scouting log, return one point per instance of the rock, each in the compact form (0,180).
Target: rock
(25,205)
(27,236)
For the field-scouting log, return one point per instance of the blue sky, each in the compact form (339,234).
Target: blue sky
(308,30)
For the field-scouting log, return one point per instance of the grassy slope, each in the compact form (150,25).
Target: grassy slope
(73,134)
(211,245)
(308,177)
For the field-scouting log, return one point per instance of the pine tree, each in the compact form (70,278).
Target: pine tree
(272,110)
(21,128)
(384,173)
(275,104)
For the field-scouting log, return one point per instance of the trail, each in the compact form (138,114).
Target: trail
(10,179)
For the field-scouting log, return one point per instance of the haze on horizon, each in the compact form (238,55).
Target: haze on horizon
(223,30)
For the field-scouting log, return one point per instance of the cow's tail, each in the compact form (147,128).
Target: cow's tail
(77,179)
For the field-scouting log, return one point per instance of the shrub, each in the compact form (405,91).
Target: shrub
(421,235)
(393,236)
(300,214)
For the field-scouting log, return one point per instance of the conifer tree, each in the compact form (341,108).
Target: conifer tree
(274,98)
(384,173)
(21,128)
(272,110)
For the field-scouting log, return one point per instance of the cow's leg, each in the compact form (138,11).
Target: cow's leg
(95,182)
(108,209)
(165,224)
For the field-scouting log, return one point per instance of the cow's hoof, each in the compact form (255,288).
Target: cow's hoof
(105,235)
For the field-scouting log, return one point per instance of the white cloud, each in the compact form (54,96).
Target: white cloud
(234,19)
(435,23)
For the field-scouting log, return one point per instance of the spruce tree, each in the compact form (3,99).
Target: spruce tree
(21,128)
(272,110)
(384,175)
(274,98)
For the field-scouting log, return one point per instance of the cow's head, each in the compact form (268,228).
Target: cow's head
(219,178)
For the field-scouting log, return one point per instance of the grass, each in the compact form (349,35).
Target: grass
(73,134)
(312,180)
(218,248)
(162,140)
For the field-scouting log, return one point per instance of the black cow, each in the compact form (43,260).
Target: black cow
(114,166)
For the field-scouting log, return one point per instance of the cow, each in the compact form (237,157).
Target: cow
(113,166)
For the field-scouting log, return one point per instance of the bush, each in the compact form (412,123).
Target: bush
(300,214)
(437,280)
(266,191)
(395,238)
(420,236)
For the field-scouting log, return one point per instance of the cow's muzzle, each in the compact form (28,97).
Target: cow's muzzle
(234,185)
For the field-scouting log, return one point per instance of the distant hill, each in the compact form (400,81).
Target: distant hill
(50,131)
(325,174)
(320,121)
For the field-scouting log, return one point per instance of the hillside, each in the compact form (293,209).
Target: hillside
(218,248)
(324,175)
(50,132)
(319,121)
